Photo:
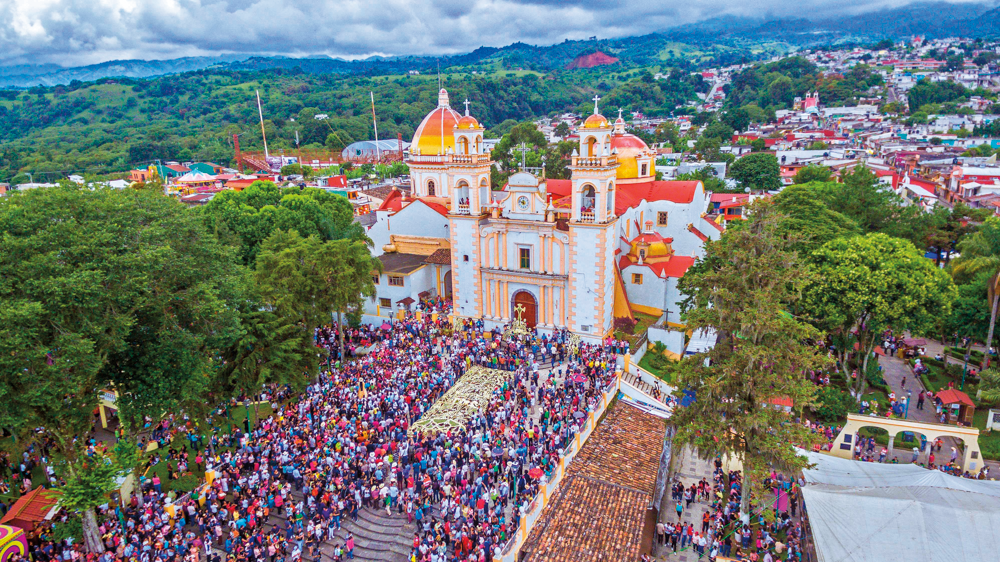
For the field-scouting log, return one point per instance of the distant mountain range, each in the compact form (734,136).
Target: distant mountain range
(929,19)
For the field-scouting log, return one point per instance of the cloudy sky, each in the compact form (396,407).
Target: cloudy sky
(75,32)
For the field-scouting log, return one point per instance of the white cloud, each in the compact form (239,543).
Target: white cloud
(74,32)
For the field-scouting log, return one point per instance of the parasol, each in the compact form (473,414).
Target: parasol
(535,473)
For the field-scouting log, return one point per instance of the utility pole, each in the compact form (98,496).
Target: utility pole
(298,153)
(378,153)
(263,135)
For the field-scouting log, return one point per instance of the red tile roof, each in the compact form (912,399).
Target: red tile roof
(675,267)
(952,396)
(598,513)
(31,508)
(436,206)
(630,194)
(558,188)
(440,257)
(728,197)
(393,202)
(651,237)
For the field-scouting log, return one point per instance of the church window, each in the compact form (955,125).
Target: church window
(637,279)
(385,303)
(430,188)
(642,254)
(645,168)
(395,281)
(375,279)
(465,257)
(525,254)
(661,218)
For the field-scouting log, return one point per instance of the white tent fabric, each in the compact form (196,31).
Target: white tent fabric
(919,524)
(865,512)
(843,472)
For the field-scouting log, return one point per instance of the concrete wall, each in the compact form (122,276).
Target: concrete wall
(465,278)
(423,279)
(416,219)
(674,340)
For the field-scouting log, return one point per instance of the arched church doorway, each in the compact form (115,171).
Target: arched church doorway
(525,306)
(447,285)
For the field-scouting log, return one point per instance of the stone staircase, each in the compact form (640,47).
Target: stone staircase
(377,537)
(637,382)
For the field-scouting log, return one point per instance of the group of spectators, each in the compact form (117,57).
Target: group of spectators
(721,532)
(281,489)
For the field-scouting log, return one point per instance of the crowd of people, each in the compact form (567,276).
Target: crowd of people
(280,489)
(721,532)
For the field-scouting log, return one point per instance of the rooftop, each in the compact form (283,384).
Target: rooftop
(599,512)
(401,263)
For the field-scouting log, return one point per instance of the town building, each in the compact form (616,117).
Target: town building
(577,253)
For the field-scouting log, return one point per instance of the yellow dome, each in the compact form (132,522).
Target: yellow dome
(630,147)
(652,247)
(595,121)
(435,134)
(468,122)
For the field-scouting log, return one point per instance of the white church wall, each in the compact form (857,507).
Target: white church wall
(609,279)
(672,339)
(652,292)
(415,219)
(584,281)
(464,241)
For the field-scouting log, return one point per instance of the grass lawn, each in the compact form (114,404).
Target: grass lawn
(989,441)
(237,418)
(664,368)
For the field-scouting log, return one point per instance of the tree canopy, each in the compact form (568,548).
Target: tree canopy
(741,289)
(867,284)
(757,170)
(250,216)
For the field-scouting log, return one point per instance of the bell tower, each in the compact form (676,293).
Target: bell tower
(594,167)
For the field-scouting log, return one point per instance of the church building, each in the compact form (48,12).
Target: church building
(577,253)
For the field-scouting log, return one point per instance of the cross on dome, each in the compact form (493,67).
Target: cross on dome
(596,99)
(524,150)
(619,113)
(467,102)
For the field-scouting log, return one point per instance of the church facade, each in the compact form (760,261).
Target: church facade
(608,242)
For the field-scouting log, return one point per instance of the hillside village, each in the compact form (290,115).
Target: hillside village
(517,314)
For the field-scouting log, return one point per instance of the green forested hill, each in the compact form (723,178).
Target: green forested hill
(114,124)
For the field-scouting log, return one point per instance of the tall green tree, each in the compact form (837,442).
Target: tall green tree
(867,284)
(104,289)
(757,170)
(811,173)
(741,289)
(248,217)
(90,480)
(808,222)
(980,255)
(873,205)
(308,279)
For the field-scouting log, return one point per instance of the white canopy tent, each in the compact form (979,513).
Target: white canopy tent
(866,512)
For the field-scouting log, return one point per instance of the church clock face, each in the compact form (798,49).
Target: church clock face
(522,203)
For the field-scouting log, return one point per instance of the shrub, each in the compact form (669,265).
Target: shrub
(625,325)
(834,404)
